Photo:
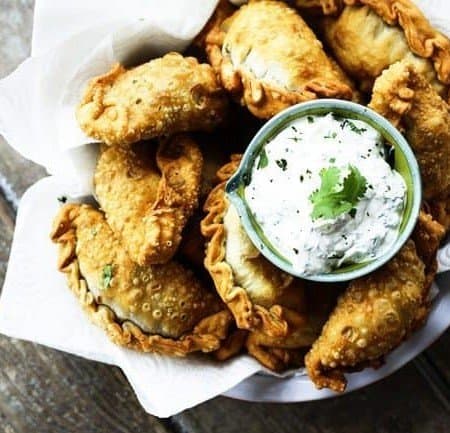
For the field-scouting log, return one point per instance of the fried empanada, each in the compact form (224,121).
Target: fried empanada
(148,193)
(252,287)
(367,39)
(158,308)
(403,96)
(373,316)
(164,96)
(269,59)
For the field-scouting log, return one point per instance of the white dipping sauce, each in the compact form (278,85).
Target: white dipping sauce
(288,172)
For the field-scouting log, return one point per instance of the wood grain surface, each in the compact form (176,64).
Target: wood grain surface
(43,390)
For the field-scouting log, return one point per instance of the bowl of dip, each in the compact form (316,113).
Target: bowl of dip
(327,190)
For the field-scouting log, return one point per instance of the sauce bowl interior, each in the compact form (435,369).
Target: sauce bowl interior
(404,162)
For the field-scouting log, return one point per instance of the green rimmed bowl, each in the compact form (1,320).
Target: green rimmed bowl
(404,162)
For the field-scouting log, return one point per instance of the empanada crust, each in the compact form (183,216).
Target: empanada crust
(162,97)
(373,316)
(368,39)
(148,196)
(252,288)
(159,308)
(440,209)
(403,96)
(427,237)
(269,59)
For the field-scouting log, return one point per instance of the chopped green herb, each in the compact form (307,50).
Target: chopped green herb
(310,119)
(296,139)
(336,196)
(331,135)
(282,163)
(294,128)
(352,126)
(352,212)
(263,160)
(332,160)
(302,178)
(107,276)
(62,199)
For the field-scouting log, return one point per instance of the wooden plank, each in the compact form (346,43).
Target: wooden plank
(43,390)
(439,356)
(16,24)
(16,174)
(6,233)
(401,403)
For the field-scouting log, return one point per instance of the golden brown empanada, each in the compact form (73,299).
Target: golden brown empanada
(403,96)
(159,308)
(373,316)
(148,192)
(269,59)
(367,39)
(164,96)
(252,287)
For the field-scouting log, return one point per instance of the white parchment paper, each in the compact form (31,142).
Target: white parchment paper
(73,41)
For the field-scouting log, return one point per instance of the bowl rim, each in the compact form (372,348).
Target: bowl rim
(300,110)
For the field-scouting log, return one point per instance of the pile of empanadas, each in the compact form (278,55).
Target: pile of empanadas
(162,262)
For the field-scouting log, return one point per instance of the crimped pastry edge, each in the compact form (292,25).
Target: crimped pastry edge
(247,315)
(205,337)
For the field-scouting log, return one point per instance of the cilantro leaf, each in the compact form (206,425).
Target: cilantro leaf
(355,185)
(352,126)
(335,197)
(282,163)
(263,160)
(107,276)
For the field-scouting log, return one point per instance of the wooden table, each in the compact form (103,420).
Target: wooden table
(43,390)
